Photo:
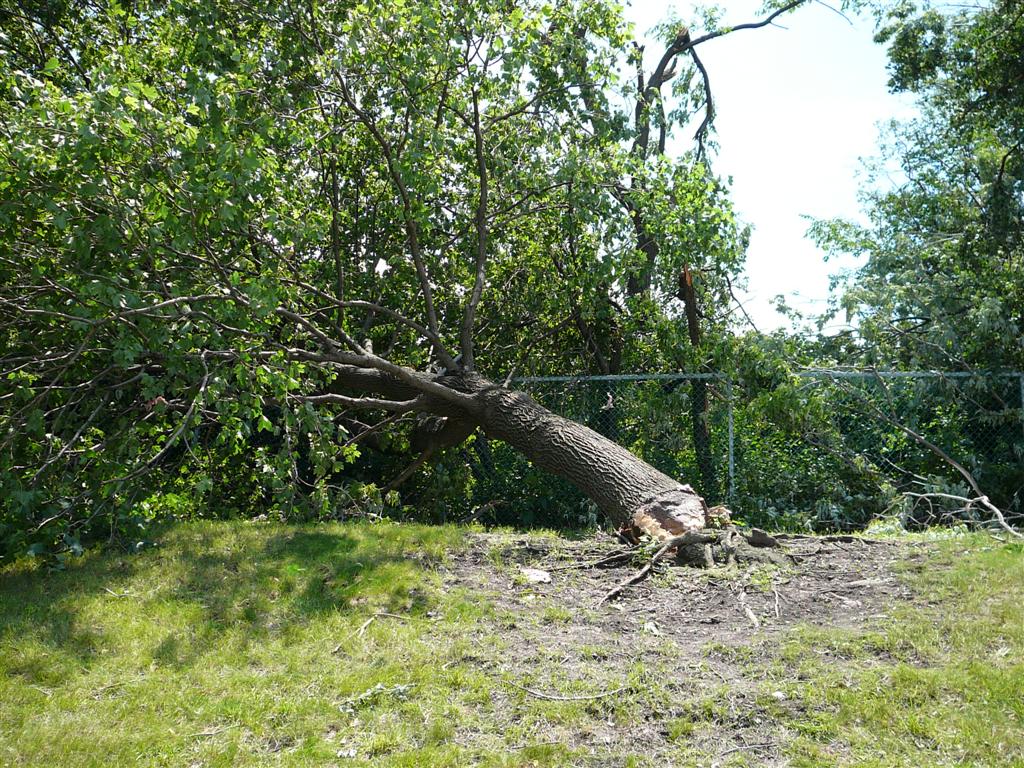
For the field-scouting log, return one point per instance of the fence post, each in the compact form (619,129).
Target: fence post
(732,454)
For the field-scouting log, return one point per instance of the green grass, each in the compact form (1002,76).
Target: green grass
(240,644)
(233,643)
(939,684)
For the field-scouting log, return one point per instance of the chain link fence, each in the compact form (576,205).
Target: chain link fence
(820,449)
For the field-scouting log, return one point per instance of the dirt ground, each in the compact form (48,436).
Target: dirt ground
(703,634)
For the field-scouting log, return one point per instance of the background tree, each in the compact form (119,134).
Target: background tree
(942,286)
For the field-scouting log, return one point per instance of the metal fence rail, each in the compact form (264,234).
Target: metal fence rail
(822,447)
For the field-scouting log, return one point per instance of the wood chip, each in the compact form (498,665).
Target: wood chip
(535,575)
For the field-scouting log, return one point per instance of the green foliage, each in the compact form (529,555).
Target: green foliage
(942,286)
(943,283)
(196,199)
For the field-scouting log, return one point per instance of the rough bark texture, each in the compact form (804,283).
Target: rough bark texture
(629,491)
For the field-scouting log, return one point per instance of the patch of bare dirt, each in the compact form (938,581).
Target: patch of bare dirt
(699,631)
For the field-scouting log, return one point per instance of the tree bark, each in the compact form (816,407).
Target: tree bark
(625,488)
(628,490)
(699,412)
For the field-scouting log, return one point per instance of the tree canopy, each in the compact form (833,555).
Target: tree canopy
(231,227)
(943,284)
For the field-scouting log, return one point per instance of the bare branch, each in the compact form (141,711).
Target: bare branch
(709,107)
(173,439)
(751,25)
(395,406)
(980,497)
(408,472)
(466,341)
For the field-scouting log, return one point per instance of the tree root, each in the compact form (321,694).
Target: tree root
(706,549)
(732,546)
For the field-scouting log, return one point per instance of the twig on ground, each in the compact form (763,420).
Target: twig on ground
(754,622)
(517,747)
(212,731)
(701,669)
(366,624)
(118,684)
(380,615)
(765,745)
(869,582)
(750,615)
(982,500)
(691,537)
(555,697)
(839,596)
(798,556)
(614,557)
(777,612)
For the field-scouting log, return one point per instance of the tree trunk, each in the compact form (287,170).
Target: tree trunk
(701,431)
(699,411)
(629,491)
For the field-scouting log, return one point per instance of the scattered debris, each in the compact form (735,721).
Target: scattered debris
(535,575)
(708,548)
(375,693)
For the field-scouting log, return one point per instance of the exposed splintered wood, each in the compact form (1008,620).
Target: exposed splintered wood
(671,514)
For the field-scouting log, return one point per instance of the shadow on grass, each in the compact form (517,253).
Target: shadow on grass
(206,586)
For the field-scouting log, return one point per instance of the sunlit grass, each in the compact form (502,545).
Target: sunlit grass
(236,643)
(232,642)
(939,684)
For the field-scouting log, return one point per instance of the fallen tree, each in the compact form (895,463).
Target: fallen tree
(215,213)
(628,490)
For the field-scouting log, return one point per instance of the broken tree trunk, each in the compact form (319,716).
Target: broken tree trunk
(628,490)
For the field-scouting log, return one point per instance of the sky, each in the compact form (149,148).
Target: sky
(797,109)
